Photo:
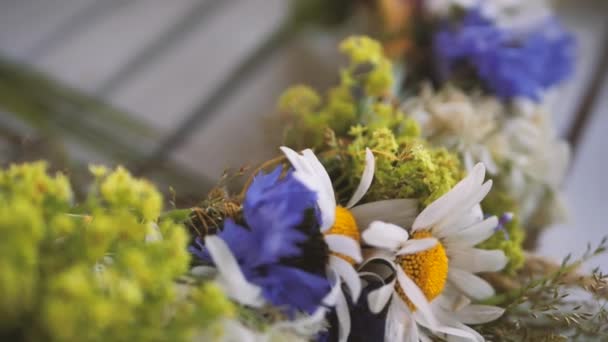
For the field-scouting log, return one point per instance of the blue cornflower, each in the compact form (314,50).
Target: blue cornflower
(509,63)
(279,215)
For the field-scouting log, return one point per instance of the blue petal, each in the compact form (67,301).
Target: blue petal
(293,289)
(274,210)
(510,64)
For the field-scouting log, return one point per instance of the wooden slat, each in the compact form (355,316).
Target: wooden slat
(171,86)
(97,53)
(25,24)
(163,43)
(240,133)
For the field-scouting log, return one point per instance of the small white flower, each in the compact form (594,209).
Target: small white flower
(434,266)
(539,160)
(458,121)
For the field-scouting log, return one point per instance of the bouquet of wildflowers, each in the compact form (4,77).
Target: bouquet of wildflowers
(397,209)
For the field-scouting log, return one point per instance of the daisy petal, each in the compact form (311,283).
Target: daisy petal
(488,161)
(313,175)
(417,245)
(477,260)
(344,245)
(328,204)
(441,207)
(395,323)
(331,298)
(411,331)
(378,298)
(455,329)
(451,299)
(306,325)
(479,194)
(319,169)
(230,274)
(470,284)
(478,314)
(343,318)
(366,179)
(415,295)
(464,213)
(348,275)
(385,235)
(474,234)
(296,160)
(462,333)
(423,338)
(401,212)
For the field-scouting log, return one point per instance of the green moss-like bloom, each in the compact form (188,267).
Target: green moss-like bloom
(104,270)
(403,170)
(498,202)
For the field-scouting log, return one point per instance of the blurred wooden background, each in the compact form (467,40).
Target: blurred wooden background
(162,62)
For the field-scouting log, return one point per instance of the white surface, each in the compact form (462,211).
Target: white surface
(586,192)
(26,23)
(183,77)
(102,48)
(240,134)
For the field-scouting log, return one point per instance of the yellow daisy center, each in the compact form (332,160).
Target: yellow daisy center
(428,269)
(346,225)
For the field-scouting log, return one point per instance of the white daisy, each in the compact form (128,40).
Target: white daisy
(434,266)
(340,224)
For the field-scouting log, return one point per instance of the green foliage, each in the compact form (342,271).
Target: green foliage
(357,99)
(105,270)
(359,113)
(550,304)
(511,241)
(406,169)
(368,68)
(303,126)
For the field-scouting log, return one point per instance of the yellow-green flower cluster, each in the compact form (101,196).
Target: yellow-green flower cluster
(360,113)
(368,67)
(103,270)
(357,99)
